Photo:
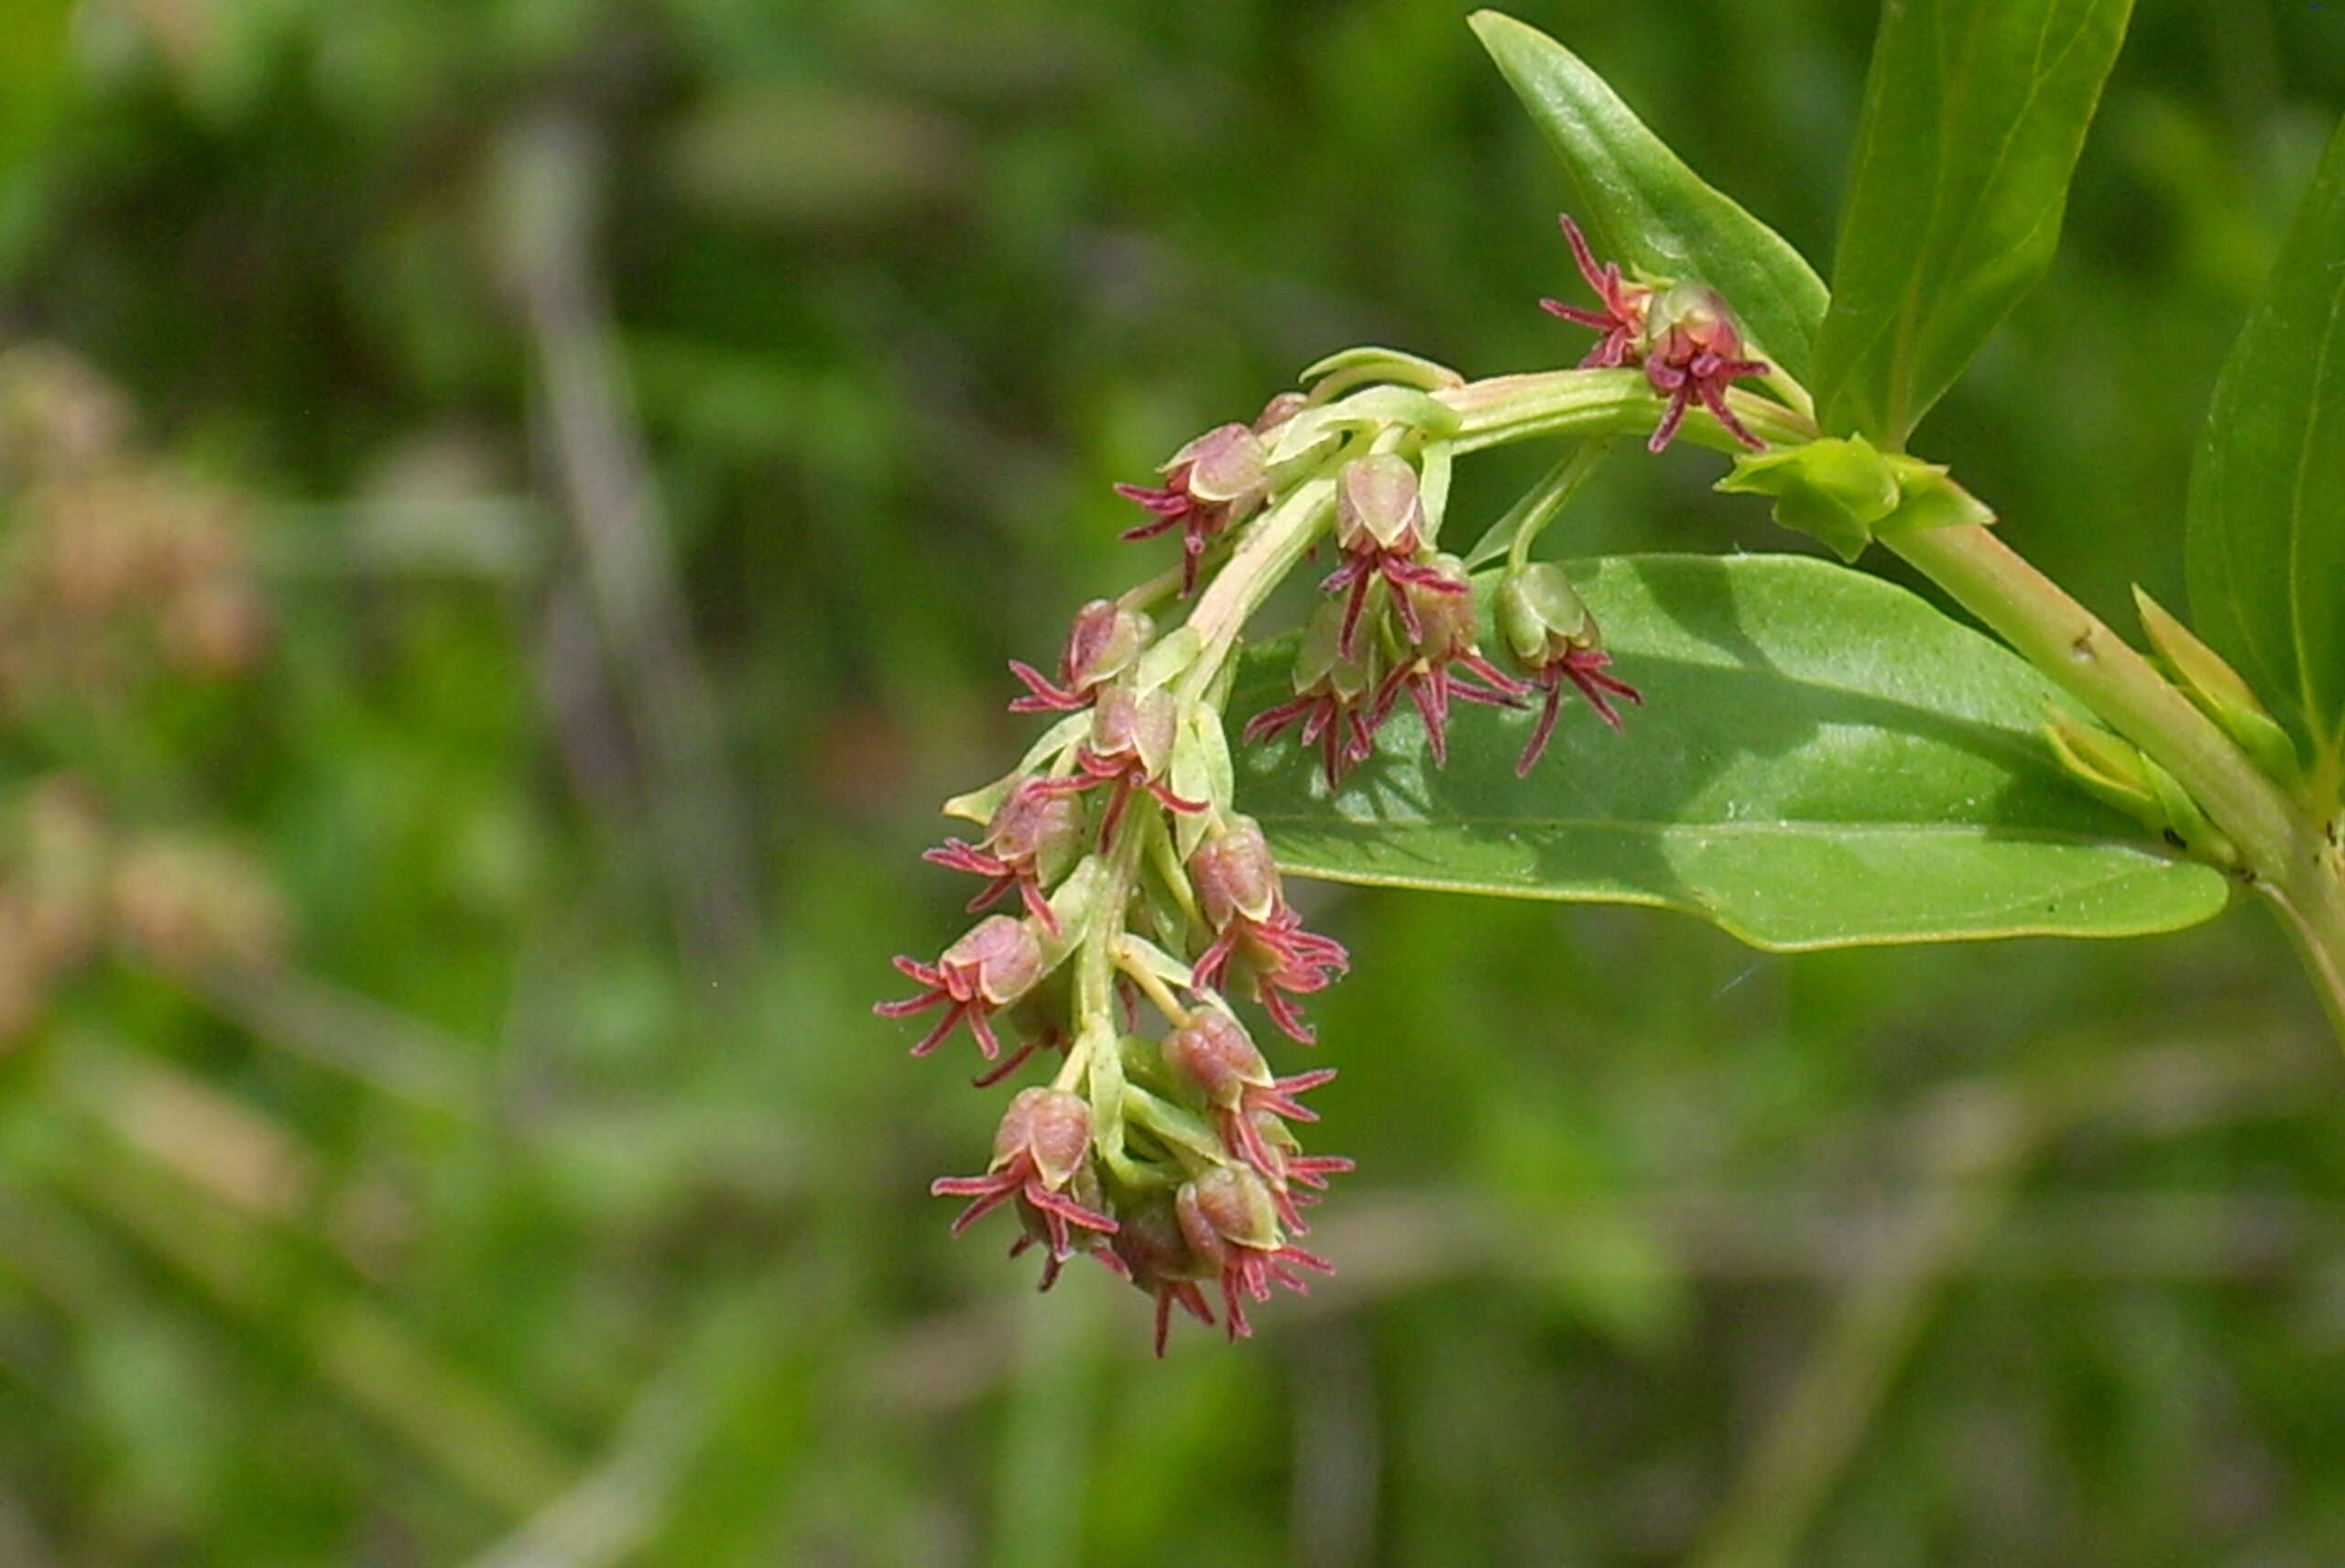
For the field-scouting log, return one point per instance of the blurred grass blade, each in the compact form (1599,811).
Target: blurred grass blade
(1823,759)
(1975,111)
(1643,207)
(2266,540)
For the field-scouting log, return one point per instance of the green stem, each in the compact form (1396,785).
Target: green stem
(1553,496)
(1094,958)
(1491,412)
(1267,552)
(1502,409)
(2287,855)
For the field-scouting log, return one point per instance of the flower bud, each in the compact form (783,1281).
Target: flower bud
(1379,506)
(1234,875)
(1051,1126)
(1541,616)
(1212,1051)
(1446,625)
(1226,1204)
(1001,955)
(1102,642)
(1129,723)
(1150,1241)
(1321,665)
(1039,828)
(1279,410)
(1686,318)
(1226,464)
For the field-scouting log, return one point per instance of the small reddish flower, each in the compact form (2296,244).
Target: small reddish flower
(994,963)
(1335,698)
(1213,1052)
(1033,839)
(1156,1259)
(1447,639)
(1294,1168)
(1238,887)
(1132,734)
(1554,638)
(1622,319)
(1100,645)
(1379,527)
(1041,1147)
(1215,483)
(1695,352)
(1231,1224)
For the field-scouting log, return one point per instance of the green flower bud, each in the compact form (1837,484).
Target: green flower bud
(1320,665)
(1540,616)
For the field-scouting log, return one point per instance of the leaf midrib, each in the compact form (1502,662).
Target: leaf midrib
(1772,826)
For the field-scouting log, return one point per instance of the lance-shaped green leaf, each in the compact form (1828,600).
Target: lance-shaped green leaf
(1822,760)
(2266,542)
(1975,111)
(1644,208)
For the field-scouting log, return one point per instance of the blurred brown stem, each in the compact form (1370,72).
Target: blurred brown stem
(548,211)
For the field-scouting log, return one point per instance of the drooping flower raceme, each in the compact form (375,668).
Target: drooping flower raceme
(1151,936)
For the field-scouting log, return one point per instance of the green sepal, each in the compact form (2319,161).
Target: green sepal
(1540,616)
(1346,368)
(1170,656)
(1433,486)
(1201,771)
(2221,693)
(1071,907)
(980,805)
(1836,489)
(1168,905)
(1378,406)
(1104,1062)
(1174,1124)
(1155,959)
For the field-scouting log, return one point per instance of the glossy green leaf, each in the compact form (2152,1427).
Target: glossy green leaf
(2267,492)
(1644,208)
(1975,111)
(1822,760)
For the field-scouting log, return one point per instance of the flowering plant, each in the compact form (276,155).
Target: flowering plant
(1823,759)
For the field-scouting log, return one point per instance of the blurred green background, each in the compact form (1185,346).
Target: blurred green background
(514,513)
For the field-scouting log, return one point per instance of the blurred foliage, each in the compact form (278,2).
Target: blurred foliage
(514,510)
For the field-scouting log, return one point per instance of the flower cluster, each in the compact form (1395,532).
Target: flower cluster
(1166,1151)
(1402,621)
(1149,921)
